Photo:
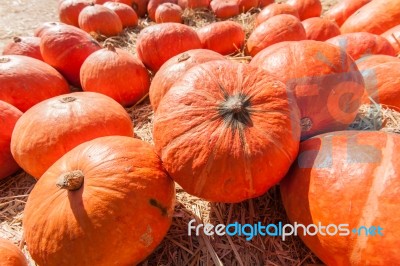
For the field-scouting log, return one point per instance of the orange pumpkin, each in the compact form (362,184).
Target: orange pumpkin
(193,4)
(69,10)
(27,81)
(361,44)
(65,48)
(153,4)
(324,80)
(169,12)
(169,39)
(277,29)
(39,31)
(225,9)
(320,29)
(101,20)
(222,126)
(140,6)
(344,9)
(393,36)
(125,13)
(9,115)
(307,8)
(264,3)
(10,254)
(368,62)
(347,178)
(117,74)
(174,68)
(224,37)
(275,9)
(28,46)
(246,5)
(112,191)
(61,123)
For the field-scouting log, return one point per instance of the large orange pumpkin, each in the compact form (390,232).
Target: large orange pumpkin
(69,10)
(393,36)
(169,12)
(26,81)
(344,9)
(111,192)
(277,29)
(153,5)
(320,29)
(55,126)
(126,14)
(10,254)
(224,37)
(193,4)
(375,17)
(9,115)
(225,9)
(65,48)
(117,74)
(27,46)
(222,127)
(352,179)
(275,9)
(307,8)
(325,81)
(368,62)
(361,44)
(174,69)
(39,31)
(168,39)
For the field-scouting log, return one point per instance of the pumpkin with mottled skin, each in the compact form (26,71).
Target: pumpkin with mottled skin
(350,178)
(10,254)
(101,20)
(274,10)
(320,29)
(307,8)
(344,9)
(112,191)
(27,46)
(222,126)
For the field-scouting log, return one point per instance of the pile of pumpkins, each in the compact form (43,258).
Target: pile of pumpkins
(225,131)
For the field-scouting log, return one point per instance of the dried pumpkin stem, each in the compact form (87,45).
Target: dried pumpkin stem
(17,39)
(110,47)
(5,60)
(68,99)
(71,180)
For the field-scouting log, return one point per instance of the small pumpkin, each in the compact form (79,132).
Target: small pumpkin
(320,29)
(275,9)
(169,39)
(324,80)
(65,48)
(222,126)
(9,115)
(61,123)
(225,9)
(367,62)
(174,69)
(194,4)
(112,191)
(101,20)
(69,10)
(246,5)
(153,5)
(361,44)
(393,36)
(277,29)
(307,8)
(349,178)
(169,12)
(264,3)
(224,37)
(117,74)
(27,46)
(125,13)
(344,9)
(25,81)
(10,254)
(39,31)
(140,6)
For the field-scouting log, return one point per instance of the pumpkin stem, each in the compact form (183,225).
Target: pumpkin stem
(5,60)
(234,110)
(306,124)
(183,57)
(68,99)
(17,39)
(110,47)
(71,180)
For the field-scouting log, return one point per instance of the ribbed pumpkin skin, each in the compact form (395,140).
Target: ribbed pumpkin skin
(393,36)
(9,115)
(275,9)
(27,46)
(126,201)
(246,5)
(277,29)
(117,74)
(174,69)
(361,44)
(26,81)
(375,17)
(371,61)
(169,12)
(344,9)
(224,37)
(320,29)
(356,174)
(221,126)
(153,5)
(225,9)
(382,83)
(125,13)
(193,4)
(69,10)
(328,90)
(65,48)
(57,125)
(307,8)
(169,39)
(39,31)
(10,254)
(100,19)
